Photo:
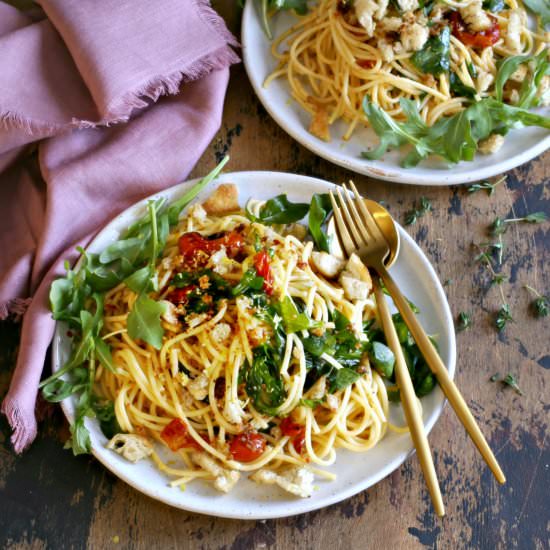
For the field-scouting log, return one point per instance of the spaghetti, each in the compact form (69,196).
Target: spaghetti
(343,51)
(263,365)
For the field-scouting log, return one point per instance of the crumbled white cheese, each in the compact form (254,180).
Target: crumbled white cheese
(318,390)
(297,481)
(170,312)
(131,446)
(333,402)
(543,92)
(198,387)
(483,81)
(225,479)
(386,49)
(327,264)
(513,32)
(491,144)
(233,412)
(221,332)
(355,279)
(408,5)
(475,17)
(367,11)
(413,37)
(197,212)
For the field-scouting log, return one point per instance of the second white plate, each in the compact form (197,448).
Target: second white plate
(521,145)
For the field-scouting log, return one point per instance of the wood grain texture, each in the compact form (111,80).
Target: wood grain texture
(49,499)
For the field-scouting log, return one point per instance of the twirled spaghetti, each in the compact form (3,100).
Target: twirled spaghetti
(344,50)
(204,394)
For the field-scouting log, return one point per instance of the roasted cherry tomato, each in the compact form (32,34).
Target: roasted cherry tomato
(181,295)
(366,63)
(296,431)
(175,435)
(197,249)
(247,446)
(481,39)
(263,268)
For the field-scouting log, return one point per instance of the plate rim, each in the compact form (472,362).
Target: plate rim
(304,505)
(446,177)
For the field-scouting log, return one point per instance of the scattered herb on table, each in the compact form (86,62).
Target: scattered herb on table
(499,226)
(495,377)
(464,321)
(503,316)
(511,381)
(418,211)
(541,302)
(486,185)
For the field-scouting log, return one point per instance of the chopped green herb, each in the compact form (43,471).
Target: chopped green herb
(418,211)
(486,185)
(459,88)
(495,377)
(464,321)
(503,316)
(319,209)
(498,227)
(434,57)
(510,380)
(540,304)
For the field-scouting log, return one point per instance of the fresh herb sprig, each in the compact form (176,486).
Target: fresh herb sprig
(500,225)
(540,304)
(464,321)
(419,209)
(508,380)
(486,185)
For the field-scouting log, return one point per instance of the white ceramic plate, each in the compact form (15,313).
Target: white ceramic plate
(355,471)
(520,146)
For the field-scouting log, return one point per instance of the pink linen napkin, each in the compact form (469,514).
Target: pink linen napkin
(89,78)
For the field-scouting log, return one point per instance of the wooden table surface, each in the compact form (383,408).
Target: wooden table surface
(49,499)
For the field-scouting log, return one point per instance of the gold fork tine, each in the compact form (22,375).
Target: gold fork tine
(367,216)
(345,237)
(350,221)
(358,220)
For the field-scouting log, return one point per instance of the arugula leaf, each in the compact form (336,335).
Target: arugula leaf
(453,138)
(264,384)
(140,281)
(80,441)
(144,321)
(103,353)
(342,379)
(382,358)
(434,57)
(311,403)
(125,248)
(459,88)
(319,210)
(293,321)
(540,8)
(279,210)
(249,281)
(105,413)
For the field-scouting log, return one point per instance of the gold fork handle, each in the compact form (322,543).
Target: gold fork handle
(438,368)
(410,403)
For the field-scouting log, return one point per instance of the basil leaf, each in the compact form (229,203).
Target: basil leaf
(264,384)
(279,210)
(382,358)
(434,57)
(293,321)
(342,379)
(319,209)
(459,88)
(144,321)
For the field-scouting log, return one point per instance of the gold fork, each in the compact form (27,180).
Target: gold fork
(360,234)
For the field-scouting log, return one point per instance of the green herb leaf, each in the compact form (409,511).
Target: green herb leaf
(425,386)
(494,6)
(486,185)
(249,281)
(495,377)
(459,88)
(280,210)
(80,437)
(105,413)
(511,381)
(311,403)
(540,8)
(293,321)
(319,209)
(382,358)
(418,211)
(140,281)
(264,384)
(342,379)
(503,316)
(434,57)
(536,217)
(464,321)
(144,321)
(103,353)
